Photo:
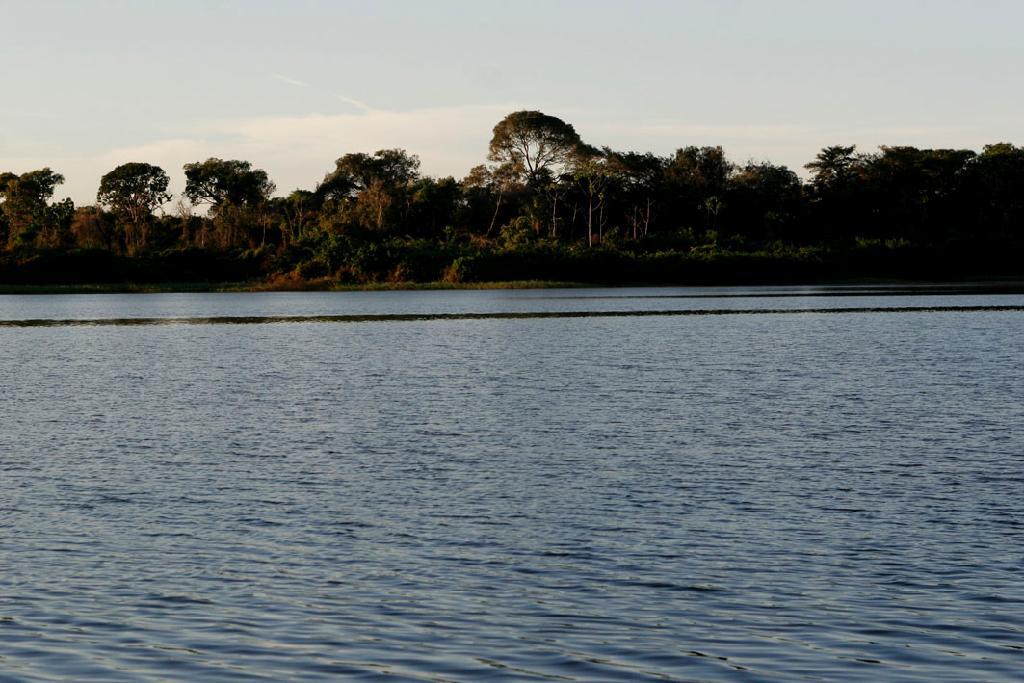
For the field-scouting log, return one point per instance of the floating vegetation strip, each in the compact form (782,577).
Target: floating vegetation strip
(827,291)
(525,315)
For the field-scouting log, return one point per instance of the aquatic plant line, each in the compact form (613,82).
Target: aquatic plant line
(530,315)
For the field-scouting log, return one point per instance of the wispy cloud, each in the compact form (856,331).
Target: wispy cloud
(290,81)
(358,104)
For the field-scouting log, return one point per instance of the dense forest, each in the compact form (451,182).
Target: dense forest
(546,206)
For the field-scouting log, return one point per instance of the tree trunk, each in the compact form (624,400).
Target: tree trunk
(554,216)
(494,218)
(590,221)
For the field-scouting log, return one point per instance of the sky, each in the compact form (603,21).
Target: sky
(292,85)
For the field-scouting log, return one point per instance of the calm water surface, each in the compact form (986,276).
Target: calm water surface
(742,497)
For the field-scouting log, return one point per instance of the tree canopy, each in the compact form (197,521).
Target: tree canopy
(134,190)
(28,216)
(531,142)
(218,182)
(356,172)
(544,195)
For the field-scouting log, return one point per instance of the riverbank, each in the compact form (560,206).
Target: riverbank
(405,265)
(318,285)
(977,285)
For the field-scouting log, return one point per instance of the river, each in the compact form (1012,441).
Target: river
(692,484)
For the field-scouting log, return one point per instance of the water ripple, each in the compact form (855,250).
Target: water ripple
(593,496)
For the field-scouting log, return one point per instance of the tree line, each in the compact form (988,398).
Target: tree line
(543,189)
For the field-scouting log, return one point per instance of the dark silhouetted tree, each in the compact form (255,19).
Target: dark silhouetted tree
(371,191)
(31,221)
(236,193)
(531,143)
(133,191)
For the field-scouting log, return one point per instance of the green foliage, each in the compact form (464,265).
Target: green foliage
(548,207)
(218,183)
(530,143)
(371,191)
(30,221)
(516,234)
(133,191)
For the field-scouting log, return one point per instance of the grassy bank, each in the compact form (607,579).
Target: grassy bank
(127,288)
(980,284)
(318,285)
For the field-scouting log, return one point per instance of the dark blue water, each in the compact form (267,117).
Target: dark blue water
(741,497)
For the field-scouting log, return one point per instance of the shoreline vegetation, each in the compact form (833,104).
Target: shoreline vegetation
(856,287)
(546,210)
(318,285)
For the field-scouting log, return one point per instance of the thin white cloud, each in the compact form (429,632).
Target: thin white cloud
(358,104)
(289,81)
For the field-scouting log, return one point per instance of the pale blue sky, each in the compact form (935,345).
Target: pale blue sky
(292,85)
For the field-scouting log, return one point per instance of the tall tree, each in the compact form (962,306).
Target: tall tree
(218,182)
(993,189)
(910,192)
(484,189)
(372,190)
(531,142)
(6,178)
(237,194)
(432,206)
(838,191)
(641,178)
(833,167)
(764,200)
(593,176)
(297,212)
(355,172)
(693,176)
(93,228)
(31,220)
(133,191)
